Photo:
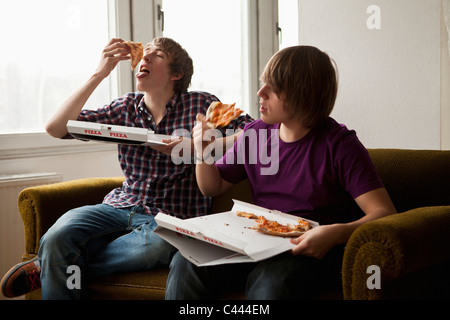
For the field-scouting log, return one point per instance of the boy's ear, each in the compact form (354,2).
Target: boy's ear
(177,76)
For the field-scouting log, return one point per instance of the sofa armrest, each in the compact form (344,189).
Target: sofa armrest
(399,245)
(41,206)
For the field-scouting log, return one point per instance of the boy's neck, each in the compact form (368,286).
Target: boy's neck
(156,103)
(292,131)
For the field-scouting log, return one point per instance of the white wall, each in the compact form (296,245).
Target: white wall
(445,76)
(390,78)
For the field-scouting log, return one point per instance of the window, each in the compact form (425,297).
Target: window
(212,33)
(288,22)
(48,50)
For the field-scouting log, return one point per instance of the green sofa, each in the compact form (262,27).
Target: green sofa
(411,248)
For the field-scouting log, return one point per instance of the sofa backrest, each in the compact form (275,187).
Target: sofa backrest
(224,202)
(414,178)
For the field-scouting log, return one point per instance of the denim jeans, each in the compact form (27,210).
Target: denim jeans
(100,240)
(284,276)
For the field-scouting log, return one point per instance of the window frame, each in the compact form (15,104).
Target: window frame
(39,144)
(268,42)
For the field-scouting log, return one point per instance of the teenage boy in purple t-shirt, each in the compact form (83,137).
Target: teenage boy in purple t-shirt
(302,162)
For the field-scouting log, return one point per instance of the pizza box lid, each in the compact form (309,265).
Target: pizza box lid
(225,237)
(84,130)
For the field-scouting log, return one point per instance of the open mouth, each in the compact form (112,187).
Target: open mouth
(143,72)
(144,69)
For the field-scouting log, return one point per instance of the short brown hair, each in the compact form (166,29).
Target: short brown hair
(181,62)
(308,78)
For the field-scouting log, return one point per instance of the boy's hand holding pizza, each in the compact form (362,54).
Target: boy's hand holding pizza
(198,133)
(114,52)
(118,50)
(218,115)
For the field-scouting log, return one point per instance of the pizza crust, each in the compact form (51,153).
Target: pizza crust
(227,113)
(279,234)
(210,110)
(246,215)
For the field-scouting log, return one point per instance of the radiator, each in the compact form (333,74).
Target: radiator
(12,240)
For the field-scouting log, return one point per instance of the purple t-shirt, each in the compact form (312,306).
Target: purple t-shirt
(317,177)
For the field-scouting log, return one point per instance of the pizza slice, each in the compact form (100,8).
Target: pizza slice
(137,52)
(276,229)
(220,114)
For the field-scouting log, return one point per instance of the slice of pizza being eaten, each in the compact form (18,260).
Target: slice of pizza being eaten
(220,114)
(137,52)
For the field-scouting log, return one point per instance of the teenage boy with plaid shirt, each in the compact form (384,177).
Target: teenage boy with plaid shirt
(117,235)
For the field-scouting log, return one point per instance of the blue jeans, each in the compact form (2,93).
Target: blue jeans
(100,240)
(282,277)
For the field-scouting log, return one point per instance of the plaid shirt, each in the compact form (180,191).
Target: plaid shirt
(151,177)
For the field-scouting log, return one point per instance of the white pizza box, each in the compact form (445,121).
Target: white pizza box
(223,238)
(84,130)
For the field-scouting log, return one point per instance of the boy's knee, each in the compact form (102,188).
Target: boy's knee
(179,264)
(58,239)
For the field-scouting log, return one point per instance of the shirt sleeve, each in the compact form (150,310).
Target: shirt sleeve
(241,122)
(109,114)
(355,168)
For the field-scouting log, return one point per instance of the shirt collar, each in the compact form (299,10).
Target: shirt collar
(173,102)
(169,106)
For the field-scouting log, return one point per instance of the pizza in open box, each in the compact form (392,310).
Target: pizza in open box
(276,229)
